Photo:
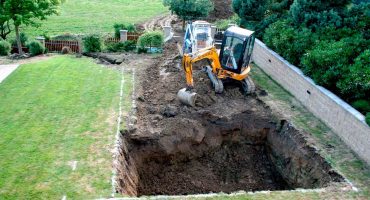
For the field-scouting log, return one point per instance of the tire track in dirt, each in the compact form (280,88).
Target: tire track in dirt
(159,22)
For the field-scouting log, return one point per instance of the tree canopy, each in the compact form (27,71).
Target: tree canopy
(28,12)
(190,9)
(315,14)
(328,39)
(257,15)
(5,28)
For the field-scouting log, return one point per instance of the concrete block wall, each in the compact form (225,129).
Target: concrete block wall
(344,120)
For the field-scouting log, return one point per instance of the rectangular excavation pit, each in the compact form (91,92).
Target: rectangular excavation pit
(210,154)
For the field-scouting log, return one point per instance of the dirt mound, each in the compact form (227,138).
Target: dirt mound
(223,10)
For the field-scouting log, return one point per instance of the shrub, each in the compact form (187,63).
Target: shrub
(289,42)
(36,48)
(141,50)
(368,118)
(92,43)
(223,24)
(66,50)
(329,61)
(356,82)
(66,36)
(151,39)
(122,46)
(126,26)
(5,48)
(362,105)
(23,37)
(46,36)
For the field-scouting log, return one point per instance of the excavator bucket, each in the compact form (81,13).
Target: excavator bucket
(187,97)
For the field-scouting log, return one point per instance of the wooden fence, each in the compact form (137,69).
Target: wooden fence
(111,40)
(75,46)
(15,49)
(57,45)
(130,36)
(133,36)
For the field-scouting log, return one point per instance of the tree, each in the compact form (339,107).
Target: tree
(356,83)
(257,15)
(328,62)
(27,12)
(4,21)
(289,42)
(315,14)
(189,9)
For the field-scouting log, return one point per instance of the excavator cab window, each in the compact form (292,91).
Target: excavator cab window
(231,53)
(237,48)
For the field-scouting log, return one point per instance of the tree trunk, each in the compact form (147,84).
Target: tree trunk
(19,44)
(183,25)
(5,29)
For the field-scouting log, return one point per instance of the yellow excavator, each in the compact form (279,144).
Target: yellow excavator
(232,62)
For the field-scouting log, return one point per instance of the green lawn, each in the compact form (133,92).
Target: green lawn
(97,16)
(52,113)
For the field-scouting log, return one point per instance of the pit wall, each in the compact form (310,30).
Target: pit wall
(344,120)
(127,176)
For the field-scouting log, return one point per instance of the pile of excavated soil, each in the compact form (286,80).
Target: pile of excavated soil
(223,10)
(227,142)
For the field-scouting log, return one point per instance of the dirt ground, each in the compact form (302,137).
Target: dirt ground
(226,143)
(221,144)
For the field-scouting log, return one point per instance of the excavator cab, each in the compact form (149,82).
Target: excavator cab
(236,50)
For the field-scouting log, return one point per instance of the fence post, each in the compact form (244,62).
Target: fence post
(79,42)
(213,32)
(167,31)
(41,40)
(123,35)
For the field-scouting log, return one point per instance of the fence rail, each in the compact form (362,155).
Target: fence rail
(57,45)
(111,40)
(130,36)
(133,36)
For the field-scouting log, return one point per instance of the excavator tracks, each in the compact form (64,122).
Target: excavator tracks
(248,86)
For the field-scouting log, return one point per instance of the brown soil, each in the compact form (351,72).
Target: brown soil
(157,22)
(228,142)
(223,10)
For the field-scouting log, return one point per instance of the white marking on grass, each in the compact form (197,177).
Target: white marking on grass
(74,165)
(64,197)
(117,145)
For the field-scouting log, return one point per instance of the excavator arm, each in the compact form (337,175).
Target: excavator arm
(189,59)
